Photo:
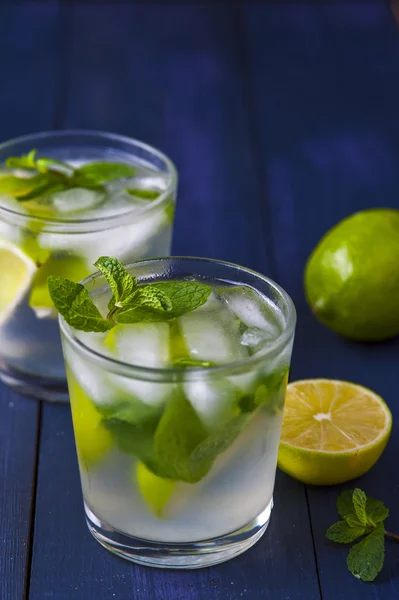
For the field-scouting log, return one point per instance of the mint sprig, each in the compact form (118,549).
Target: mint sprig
(130,302)
(45,176)
(362,516)
(73,301)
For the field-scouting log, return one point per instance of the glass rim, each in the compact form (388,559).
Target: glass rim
(109,220)
(167,374)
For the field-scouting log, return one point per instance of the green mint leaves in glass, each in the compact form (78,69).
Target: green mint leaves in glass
(65,199)
(177,371)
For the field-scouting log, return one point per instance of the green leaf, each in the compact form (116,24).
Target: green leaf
(144,194)
(179,432)
(353,521)
(365,559)
(20,187)
(130,410)
(270,392)
(101,173)
(359,500)
(376,511)
(147,304)
(152,297)
(345,504)
(45,165)
(342,533)
(137,440)
(119,280)
(209,449)
(73,302)
(26,161)
(185,295)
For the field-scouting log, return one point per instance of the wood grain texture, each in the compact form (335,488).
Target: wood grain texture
(28,69)
(325,83)
(172,76)
(18,438)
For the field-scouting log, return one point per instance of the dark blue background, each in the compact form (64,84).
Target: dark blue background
(281,119)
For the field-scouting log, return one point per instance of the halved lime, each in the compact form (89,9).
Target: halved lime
(18,270)
(92,439)
(71,267)
(155,490)
(333,431)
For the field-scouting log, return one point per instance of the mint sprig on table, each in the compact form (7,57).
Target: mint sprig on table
(44,176)
(130,302)
(362,517)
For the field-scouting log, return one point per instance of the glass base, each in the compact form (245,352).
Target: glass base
(41,388)
(195,555)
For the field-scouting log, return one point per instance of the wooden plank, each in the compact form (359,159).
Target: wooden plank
(27,65)
(28,59)
(325,83)
(18,438)
(171,76)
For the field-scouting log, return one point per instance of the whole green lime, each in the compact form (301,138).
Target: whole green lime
(352,276)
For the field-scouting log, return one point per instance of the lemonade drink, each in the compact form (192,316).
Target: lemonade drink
(124,207)
(177,421)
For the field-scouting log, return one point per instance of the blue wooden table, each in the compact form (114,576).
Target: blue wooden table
(282,119)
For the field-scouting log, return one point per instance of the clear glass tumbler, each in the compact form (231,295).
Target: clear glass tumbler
(34,245)
(217,427)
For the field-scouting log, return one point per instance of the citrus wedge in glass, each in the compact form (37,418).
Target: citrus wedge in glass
(18,269)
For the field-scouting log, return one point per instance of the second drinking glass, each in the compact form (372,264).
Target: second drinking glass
(80,195)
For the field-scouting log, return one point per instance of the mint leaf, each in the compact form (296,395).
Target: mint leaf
(179,432)
(131,410)
(46,165)
(365,559)
(73,302)
(359,500)
(59,175)
(147,304)
(206,452)
(144,194)
(100,173)
(130,304)
(139,314)
(342,533)
(152,297)
(137,440)
(353,521)
(269,392)
(376,511)
(20,187)
(121,283)
(345,504)
(26,161)
(163,301)
(185,295)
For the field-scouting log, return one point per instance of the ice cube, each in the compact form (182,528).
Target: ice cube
(76,200)
(213,400)
(147,345)
(92,379)
(254,337)
(213,303)
(143,344)
(252,310)
(8,231)
(123,242)
(212,335)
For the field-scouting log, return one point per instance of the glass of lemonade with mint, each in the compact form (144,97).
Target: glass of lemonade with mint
(67,197)
(177,370)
